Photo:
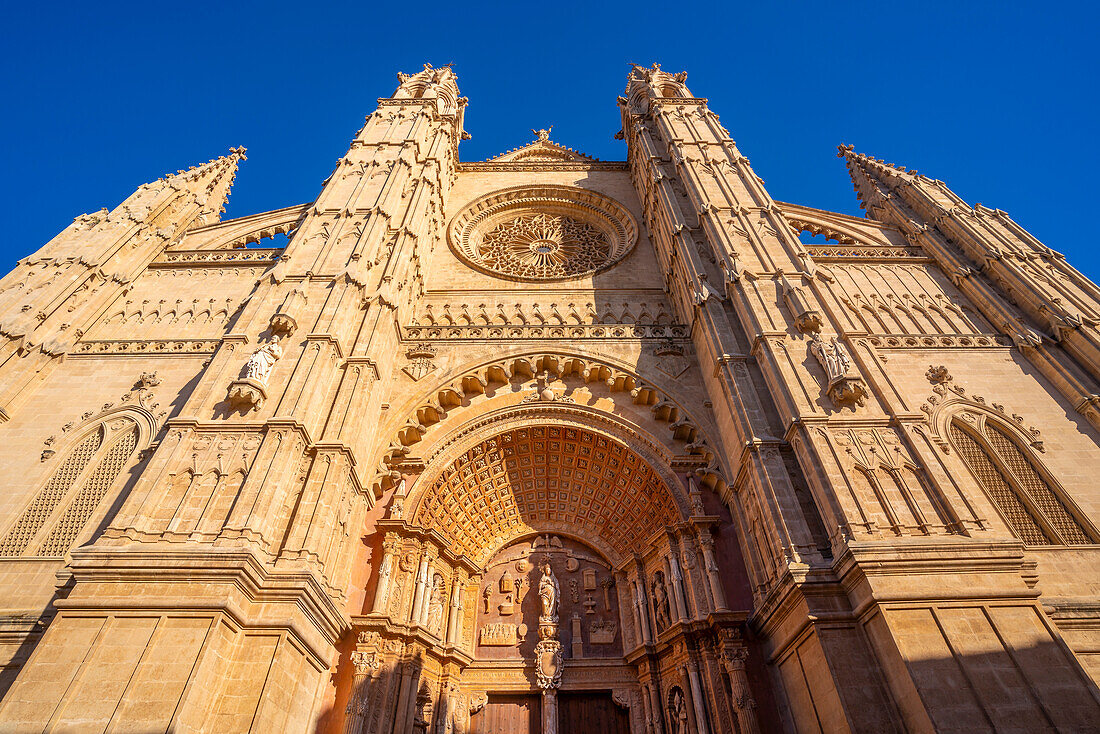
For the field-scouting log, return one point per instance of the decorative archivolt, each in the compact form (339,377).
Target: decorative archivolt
(617,382)
(543,233)
(515,474)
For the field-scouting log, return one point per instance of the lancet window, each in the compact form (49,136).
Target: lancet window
(59,513)
(1021,492)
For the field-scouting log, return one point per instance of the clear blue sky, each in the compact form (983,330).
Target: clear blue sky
(999,100)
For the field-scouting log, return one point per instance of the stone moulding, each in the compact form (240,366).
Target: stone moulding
(940,341)
(539,166)
(564,331)
(194,258)
(146,347)
(573,207)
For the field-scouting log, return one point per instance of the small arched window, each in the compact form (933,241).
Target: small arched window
(61,510)
(1028,501)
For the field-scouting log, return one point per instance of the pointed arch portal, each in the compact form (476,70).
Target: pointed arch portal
(544,550)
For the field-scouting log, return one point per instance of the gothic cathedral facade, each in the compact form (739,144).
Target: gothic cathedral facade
(549,444)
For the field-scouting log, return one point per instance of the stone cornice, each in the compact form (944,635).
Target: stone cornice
(541,166)
(467,332)
(203,568)
(208,258)
(146,347)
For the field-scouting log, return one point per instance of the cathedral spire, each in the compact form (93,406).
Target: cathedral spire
(210,184)
(1005,269)
(873,178)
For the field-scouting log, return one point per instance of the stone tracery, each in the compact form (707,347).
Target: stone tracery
(542,246)
(543,233)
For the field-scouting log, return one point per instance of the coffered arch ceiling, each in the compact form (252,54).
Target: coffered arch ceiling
(546,476)
(466,395)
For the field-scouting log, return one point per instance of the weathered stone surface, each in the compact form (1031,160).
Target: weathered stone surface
(778,486)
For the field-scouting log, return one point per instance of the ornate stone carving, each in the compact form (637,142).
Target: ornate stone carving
(262,361)
(602,632)
(937,375)
(670,359)
(843,388)
(543,233)
(661,610)
(642,508)
(421,362)
(436,605)
(548,653)
(499,634)
(250,390)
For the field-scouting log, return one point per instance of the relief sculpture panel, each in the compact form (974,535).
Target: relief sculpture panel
(509,608)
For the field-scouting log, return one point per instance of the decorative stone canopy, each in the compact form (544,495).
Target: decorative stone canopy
(546,479)
(543,233)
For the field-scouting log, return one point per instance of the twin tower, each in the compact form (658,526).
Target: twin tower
(549,444)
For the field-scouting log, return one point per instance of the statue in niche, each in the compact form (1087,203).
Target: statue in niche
(548,592)
(661,608)
(424,709)
(488,596)
(262,361)
(435,605)
(677,711)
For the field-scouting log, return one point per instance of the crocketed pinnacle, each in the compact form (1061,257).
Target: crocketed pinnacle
(871,175)
(209,182)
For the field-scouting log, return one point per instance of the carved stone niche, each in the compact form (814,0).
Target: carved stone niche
(284,321)
(247,394)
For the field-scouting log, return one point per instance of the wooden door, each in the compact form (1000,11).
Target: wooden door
(585,712)
(508,714)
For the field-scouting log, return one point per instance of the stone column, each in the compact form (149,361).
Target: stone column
(706,542)
(647,710)
(454,616)
(631,589)
(365,663)
(385,574)
(643,609)
(698,702)
(421,587)
(678,585)
(387,686)
(733,659)
(658,707)
(549,711)
(406,697)
(673,589)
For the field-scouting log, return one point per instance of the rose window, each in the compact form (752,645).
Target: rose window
(543,233)
(544,246)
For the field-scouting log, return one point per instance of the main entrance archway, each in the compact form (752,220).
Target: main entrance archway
(540,575)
